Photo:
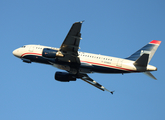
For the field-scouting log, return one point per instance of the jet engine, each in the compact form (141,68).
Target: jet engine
(64,77)
(50,53)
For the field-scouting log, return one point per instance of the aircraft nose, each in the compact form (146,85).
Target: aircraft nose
(16,53)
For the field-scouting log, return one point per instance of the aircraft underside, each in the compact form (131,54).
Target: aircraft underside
(63,65)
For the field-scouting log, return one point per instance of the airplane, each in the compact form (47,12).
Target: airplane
(78,64)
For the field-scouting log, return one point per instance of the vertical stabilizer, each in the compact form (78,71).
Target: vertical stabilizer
(150,49)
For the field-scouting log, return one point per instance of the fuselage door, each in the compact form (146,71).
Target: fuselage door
(119,63)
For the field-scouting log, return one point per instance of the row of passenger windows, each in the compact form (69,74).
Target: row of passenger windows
(91,56)
(38,48)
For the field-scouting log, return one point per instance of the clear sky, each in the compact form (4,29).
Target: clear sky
(112,27)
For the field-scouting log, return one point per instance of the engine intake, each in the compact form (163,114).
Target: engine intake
(49,53)
(64,77)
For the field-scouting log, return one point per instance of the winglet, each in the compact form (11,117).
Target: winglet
(82,21)
(112,92)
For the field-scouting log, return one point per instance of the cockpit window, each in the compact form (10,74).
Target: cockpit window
(23,46)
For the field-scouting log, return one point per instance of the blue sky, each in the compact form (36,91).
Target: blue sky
(114,28)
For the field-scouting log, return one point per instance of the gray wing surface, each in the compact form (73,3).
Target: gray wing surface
(69,53)
(89,80)
(70,45)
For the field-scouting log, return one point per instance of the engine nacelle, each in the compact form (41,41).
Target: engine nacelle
(49,53)
(64,77)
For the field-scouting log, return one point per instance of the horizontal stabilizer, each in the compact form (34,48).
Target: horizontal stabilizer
(142,60)
(150,75)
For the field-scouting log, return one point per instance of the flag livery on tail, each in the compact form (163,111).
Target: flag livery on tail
(143,56)
(150,49)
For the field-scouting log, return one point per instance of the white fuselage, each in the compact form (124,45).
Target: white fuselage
(106,64)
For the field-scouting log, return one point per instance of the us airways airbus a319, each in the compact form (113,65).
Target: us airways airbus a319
(78,64)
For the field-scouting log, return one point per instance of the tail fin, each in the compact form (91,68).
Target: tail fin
(149,49)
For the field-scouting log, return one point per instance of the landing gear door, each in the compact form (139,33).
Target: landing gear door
(119,63)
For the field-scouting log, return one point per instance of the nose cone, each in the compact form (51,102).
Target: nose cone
(16,53)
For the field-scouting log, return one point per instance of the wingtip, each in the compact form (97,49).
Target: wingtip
(82,21)
(112,92)
(79,22)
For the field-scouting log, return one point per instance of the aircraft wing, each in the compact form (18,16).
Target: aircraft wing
(87,79)
(70,45)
